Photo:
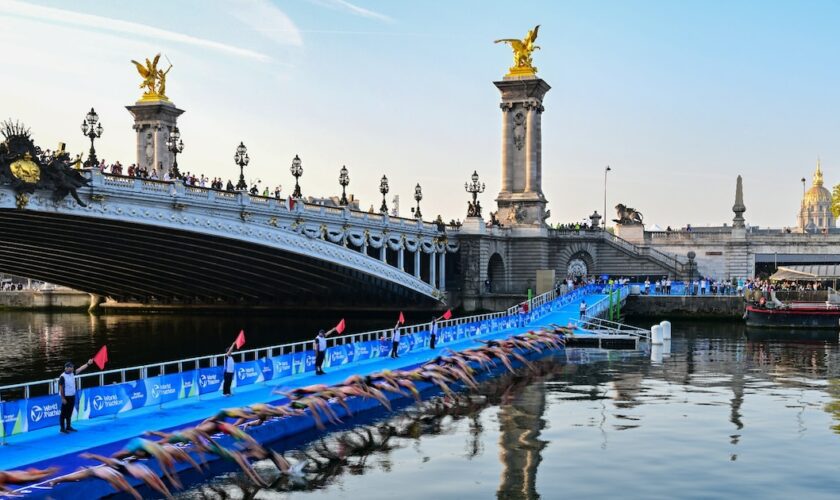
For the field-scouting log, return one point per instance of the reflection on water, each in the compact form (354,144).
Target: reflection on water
(722,416)
(36,345)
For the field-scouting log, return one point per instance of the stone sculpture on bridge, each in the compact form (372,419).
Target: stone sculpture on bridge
(522,50)
(154,79)
(25,169)
(627,215)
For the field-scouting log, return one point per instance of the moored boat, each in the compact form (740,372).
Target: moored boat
(795,315)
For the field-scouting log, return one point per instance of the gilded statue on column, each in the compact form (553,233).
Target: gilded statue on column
(154,79)
(522,50)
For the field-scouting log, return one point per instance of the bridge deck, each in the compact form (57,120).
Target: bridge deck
(47,447)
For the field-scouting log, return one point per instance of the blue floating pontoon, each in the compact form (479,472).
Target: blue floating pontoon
(105,435)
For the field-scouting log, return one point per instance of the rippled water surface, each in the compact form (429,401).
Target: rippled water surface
(721,416)
(35,346)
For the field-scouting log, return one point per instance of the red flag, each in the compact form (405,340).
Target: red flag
(101,357)
(340,326)
(401,321)
(447,314)
(240,340)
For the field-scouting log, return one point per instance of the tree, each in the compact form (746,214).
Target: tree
(835,201)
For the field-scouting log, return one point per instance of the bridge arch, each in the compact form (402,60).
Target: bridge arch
(575,260)
(496,273)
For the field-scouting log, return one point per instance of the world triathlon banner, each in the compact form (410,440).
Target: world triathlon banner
(37,413)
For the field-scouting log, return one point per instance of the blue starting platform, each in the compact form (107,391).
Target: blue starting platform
(47,447)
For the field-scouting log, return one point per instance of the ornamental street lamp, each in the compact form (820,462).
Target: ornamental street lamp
(474,188)
(175,146)
(418,195)
(92,129)
(344,180)
(383,188)
(297,171)
(241,158)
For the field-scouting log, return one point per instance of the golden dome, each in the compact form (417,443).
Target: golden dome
(817,193)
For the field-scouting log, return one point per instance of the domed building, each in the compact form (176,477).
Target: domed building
(815,214)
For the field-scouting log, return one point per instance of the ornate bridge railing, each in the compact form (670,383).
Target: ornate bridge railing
(375,244)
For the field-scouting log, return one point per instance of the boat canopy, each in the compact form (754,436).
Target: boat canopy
(807,273)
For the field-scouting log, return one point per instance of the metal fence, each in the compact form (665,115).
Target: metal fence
(49,386)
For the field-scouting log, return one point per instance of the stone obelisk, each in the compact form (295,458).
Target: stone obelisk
(155,116)
(521,201)
(738,207)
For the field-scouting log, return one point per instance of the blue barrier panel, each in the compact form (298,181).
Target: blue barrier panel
(163,389)
(384,348)
(137,393)
(210,379)
(14,421)
(363,351)
(282,365)
(267,368)
(247,373)
(42,412)
(105,400)
(339,355)
(421,341)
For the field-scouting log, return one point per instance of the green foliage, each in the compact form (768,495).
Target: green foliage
(835,201)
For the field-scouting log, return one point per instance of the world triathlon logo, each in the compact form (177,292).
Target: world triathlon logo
(98,403)
(202,380)
(36,413)
(241,374)
(156,391)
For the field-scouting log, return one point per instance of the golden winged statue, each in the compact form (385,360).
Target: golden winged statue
(522,49)
(154,79)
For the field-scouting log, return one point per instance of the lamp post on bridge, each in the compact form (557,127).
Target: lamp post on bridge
(383,188)
(241,158)
(474,188)
(344,180)
(175,146)
(418,195)
(297,170)
(93,130)
(607,169)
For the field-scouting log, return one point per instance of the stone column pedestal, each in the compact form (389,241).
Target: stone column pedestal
(521,200)
(153,121)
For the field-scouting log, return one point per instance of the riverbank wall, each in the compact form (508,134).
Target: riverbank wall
(684,306)
(44,300)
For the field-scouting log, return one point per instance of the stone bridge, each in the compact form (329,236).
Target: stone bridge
(498,265)
(155,242)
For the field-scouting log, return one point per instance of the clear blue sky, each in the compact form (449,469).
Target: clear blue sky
(678,97)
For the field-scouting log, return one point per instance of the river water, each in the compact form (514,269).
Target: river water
(722,416)
(35,346)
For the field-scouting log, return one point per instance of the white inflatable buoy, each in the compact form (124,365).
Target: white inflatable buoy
(656,353)
(666,330)
(656,335)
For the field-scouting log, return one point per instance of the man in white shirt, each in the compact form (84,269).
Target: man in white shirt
(582,308)
(229,368)
(67,391)
(320,352)
(395,342)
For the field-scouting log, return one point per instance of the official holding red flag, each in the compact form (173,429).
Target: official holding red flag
(395,337)
(67,391)
(230,365)
(320,346)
